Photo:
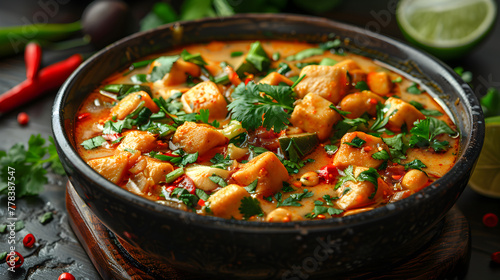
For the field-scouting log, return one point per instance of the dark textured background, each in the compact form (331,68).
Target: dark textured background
(58,250)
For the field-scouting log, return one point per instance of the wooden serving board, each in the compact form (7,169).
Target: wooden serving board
(447,257)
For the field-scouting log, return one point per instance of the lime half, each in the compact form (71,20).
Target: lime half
(486,177)
(446,28)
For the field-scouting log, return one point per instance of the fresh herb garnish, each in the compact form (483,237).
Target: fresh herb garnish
(250,207)
(218,180)
(236,54)
(183,195)
(294,198)
(164,67)
(220,162)
(381,155)
(27,166)
(320,209)
(275,106)
(381,120)
(203,116)
(305,54)
(415,164)
(251,188)
(425,131)
(93,143)
(398,145)
(283,68)
(139,78)
(348,176)
(356,142)
(330,44)
(413,89)
(371,175)
(420,107)
(331,149)
(362,85)
(202,194)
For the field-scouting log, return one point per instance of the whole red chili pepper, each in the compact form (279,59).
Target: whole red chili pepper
(32,59)
(66,276)
(49,78)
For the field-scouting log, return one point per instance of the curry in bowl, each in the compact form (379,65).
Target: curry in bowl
(271,131)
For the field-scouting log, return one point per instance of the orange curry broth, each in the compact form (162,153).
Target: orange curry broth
(313,185)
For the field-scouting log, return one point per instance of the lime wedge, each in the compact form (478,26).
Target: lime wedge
(447,29)
(486,177)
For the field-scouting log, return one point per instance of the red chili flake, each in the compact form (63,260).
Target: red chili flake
(23,118)
(83,116)
(201,202)
(396,177)
(367,149)
(29,240)
(14,259)
(373,101)
(495,257)
(170,189)
(247,80)
(66,276)
(490,220)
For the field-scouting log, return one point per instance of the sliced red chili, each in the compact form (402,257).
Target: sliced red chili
(201,202)
(29,240)
(14,259)
(329,173)
(83,116)
(32,59)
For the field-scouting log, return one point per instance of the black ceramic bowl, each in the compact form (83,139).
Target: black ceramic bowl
(229,248)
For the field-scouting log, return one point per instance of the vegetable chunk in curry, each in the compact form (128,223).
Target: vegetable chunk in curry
(266,131)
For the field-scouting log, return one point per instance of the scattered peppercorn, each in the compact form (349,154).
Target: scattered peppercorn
(23,118)
(66,276)
(490,220)
(29,240)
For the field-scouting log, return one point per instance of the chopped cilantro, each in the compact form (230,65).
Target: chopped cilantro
(276,56)
(193,58)
(202,194)
(294,198)
(371,176)
(250,207)
(139,78)
(415,164)
(251,188)
(348,176)
(305,54)
(424,132)
(275,106)
(218,180)
(236,54)
(362,85)
(183,195)
(356,142)
(420,107)
(203,116)
(283,68)
(111,127)
(330,44)
(93,143)
(220,162)
(287,187)
(413,89)
(331,149)
(398,145)
(381,155)
(163,66)
(381,121)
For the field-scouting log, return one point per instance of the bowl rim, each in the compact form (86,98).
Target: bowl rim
(465,162)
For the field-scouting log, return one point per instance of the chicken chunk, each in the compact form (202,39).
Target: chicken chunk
(225,202)
(359,103)
(205,95)
(267,169)
(200,174)
(275,79)
(193,137)
(313,114)
(329,82)
(112,168)
(137,140)
(362,156)
(157,169)
(379,82)
(356,194)
(128,104)
(401,113)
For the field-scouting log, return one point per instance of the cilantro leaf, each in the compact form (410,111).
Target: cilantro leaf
(111,127)
(193,58)
(356,142)
(398,145)
(371,176)
(420,107)
(189,158)
(164,67)
(287,187)
(218,180)
(251,188)
(331,149)
(413,89)
(183,195)
(202,194)
(220,162)
(93,143)
(294,198)
(381,155)
(348,176)
(275,106)
(381,120)
(415,164)
(283,68)
(25,167)
(250,207)
(424,132)
(305,54)
(362,85)
(330,44)
(347,125)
